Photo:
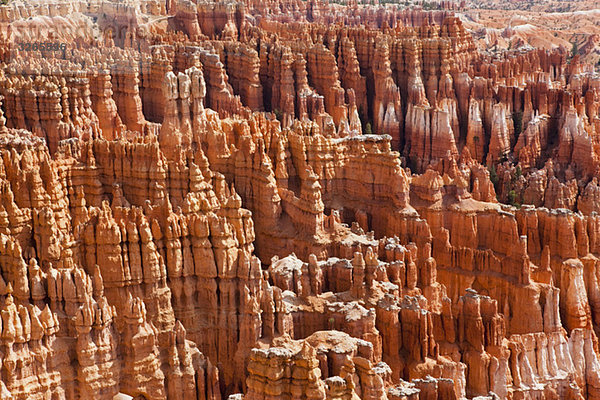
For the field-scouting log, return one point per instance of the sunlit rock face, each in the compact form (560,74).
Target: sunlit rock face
(293,200)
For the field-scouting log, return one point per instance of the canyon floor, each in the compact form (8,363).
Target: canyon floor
(297,199)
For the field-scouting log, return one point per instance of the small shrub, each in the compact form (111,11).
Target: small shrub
(512,199)
(493,175)
(574,49)
(518,122)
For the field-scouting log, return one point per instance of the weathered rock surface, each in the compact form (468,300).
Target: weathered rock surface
(288,199)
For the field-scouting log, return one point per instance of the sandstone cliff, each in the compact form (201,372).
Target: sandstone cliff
(286,199)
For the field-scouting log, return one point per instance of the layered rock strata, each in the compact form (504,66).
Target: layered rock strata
(291,199)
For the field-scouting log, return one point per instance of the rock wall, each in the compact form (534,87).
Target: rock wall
(284,199)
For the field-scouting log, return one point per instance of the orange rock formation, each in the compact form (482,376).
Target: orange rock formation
(293,200)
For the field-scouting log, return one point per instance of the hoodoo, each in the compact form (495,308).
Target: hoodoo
(283,199)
